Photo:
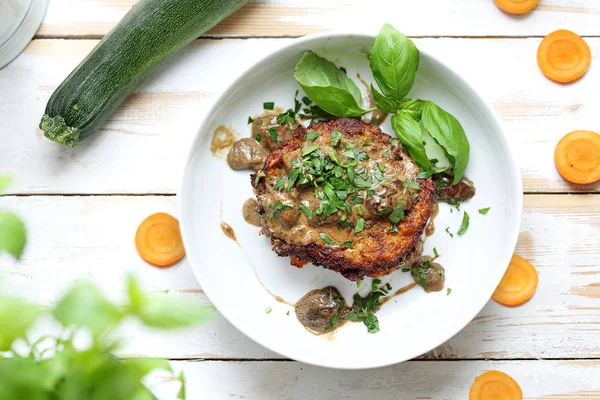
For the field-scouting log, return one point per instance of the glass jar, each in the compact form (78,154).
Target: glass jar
(19,20)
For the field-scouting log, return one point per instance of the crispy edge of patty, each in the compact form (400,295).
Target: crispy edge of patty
(378,252)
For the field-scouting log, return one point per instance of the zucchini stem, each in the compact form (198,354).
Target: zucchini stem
(57,130)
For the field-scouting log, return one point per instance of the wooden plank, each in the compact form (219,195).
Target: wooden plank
(93,18)
(143,146)
(73,237)
(539,380)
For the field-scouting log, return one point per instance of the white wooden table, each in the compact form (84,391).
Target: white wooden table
(82,206)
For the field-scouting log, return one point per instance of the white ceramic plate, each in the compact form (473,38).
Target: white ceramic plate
(412,323)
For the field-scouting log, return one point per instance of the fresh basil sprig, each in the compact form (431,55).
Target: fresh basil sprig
(449,133)
(394,61)
(414,107)
(408,132)
(328,86)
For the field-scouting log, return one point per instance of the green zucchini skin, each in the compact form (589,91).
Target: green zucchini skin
(149,33)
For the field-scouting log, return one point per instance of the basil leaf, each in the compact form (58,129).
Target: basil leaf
(408,132)
(12,234)
(384,103)
(84,305)
(16,317)
(328,86)
(413,107)
(449,133)
(394,61)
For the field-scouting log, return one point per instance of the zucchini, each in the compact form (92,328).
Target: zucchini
(148,34)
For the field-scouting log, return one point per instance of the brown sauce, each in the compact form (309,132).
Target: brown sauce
(222,140)
(228,231)
(250,212)
(369,102)
(430,228)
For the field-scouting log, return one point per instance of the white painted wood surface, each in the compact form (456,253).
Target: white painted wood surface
(143,147)
(141,151)
(447,380)
(92,18)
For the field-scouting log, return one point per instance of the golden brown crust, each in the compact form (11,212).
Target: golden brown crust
(376,251)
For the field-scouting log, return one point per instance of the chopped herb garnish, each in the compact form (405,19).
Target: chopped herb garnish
(358,283)
(306,101)
(385,211)
(297,106)
(378,173)
(259,122)
(269,105)
(287,313)
(419,273)
(280,184)
(335,138)
(425,174)
(370,192)
(309,149)
(347,244)
(359,210)
(448,291)
(484,211)
(273,134)
(364,308)
(435,252)
(374,121)
(464,224)
(306,211)
(292,179)
(258,138)
(394,229)
(325,238)
(386,154)
(312,135)
(360,225)
(398,214)
(410,184)
(250,120)
(448,232)
(278,207)
(405,269)
(268,310)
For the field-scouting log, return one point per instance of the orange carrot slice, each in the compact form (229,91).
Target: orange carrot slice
(518,283)
(577,157)
(495,385)
(158,240)
(563,56)
(516,7)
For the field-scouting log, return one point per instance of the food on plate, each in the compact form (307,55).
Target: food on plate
(346,197)
(149,33)
(577,157)
(158,240)
(334,190)
(495,385)
(563,56)
(517,7)
(518,284)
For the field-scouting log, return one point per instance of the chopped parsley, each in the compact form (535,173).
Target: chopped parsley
(484,211)
(309,149)
(398,214)
(435,252)
(364,308)
(464,224)
(326,238)
(448,291)
(280,184)
(419,273)
(306,101)
(374,121)
(269,105)
(258,138)
(347,244)
(273,134)
(410,184)
(386,154)
(360,225)
(268,310)
(306,211)
(448,232)
(250,120)
(278,207)
(358,283)
(335,138)
(425,174)
(312,135)
(405,269)
(394,229)
(287,313)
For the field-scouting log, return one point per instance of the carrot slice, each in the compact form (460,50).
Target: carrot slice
(518,283)
(516,7)
(495,385)
(577,157)
(563,56)
(158,240)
